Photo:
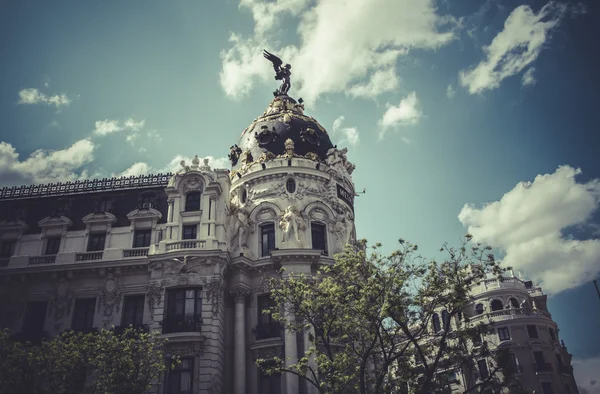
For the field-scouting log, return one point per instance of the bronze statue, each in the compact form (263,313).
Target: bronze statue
(282,73)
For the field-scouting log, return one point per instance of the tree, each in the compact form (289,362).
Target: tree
(77,362)
(373,321)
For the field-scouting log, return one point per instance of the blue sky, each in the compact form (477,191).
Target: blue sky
(460,116)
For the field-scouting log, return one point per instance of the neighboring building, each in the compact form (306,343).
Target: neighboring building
(187,254)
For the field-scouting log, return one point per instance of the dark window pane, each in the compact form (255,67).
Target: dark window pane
(190,232)
(180,378)
(514,303)
(504,333)
(319,236)
(33,322)
(479,309)
(547,388)
(7,249)
(539,358)
(532,331)
(141,238)
(96,241)
(133,311)
(446,319)
(83,314)
(192,201)
(52,245)
(483,369)
(184,310)
(290,185)
(497,305)
(436,323)
(267,242)
(552,334)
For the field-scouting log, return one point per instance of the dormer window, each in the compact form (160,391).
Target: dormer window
(7,248)
(147,201)
(52,245)
(192,201)
(96,242)
(103,205)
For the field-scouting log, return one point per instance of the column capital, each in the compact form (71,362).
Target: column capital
(240,293)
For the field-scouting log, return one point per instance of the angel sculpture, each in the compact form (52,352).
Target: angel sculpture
(282,73)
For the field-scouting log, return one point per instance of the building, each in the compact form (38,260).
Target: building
(187,254)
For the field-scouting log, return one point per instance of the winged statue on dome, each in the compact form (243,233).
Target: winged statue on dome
(282,73)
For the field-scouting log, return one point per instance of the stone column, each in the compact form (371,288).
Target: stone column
(312,362)
(291,357)
(239,350)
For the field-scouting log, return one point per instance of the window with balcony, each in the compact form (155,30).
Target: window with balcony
(532,331)
(83,314)
(504,333)
(540,362)
(96,242)
(184,311)
(497,305)
(547,388)
(435,321)
(7,248)
(33,322)
(179,379)
(552,333)
(319,236)
(267,326)
(133,311)
(190,232)
(479,309)
(192,201)
(267,238)
(483,369)
(513,364)
(141,238)
(269,384)
(52,245)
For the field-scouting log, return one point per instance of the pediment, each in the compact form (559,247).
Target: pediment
(144,214)
(99,218)
(55,221)
(8,225)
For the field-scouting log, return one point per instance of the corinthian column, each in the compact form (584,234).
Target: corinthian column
(291,356)
(239,350)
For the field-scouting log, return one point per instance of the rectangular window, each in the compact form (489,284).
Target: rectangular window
(533,332)
(503,333)
(7,248)
(319,236)
(267,238)
(547,388)
(133,311)
(513,364)
(552,333)
(184,311)
(52,245)
(96,242)
(141,238)
(269,384)
(179,380)
(267,326)
(190,232)
(83,314)
(33,322)
(483,369)
(192,201)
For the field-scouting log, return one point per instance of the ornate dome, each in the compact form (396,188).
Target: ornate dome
(269,135)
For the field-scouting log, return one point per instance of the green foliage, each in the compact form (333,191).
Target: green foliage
(77,362)
(369,321)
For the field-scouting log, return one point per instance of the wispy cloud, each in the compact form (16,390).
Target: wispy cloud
(141,168)
(338,51)
(34,96)
(517,46)
(406,113)
(349,134)
(528,77)
(107,126)
(527,224)
(450,92)
(587,374)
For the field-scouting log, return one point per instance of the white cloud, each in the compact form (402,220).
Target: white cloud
(44,166)
(34,96)
(514,48)
(450,92)
(526,224)
(107,126)
(141,168)
(404,114)
(344,45)
(587,374)
(136,169)
(349,134)
(528,77)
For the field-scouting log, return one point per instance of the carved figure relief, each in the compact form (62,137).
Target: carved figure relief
(192,184)
(153,296)
(61,302)
(111,295)
(292,223)
(310,136)
(265,157)
(289,148)
(186,350)
(337,160)
(234,154)
(213,293)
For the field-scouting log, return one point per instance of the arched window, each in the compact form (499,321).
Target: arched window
(446,319)
(479,309)
(436,323)
(290,185)
(497,305)
(192,201)
(514,303)
(267,238)
(319,236)
(243,196)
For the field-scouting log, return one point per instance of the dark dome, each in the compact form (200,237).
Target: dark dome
(265,138)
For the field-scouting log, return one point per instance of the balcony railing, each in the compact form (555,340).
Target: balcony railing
(135,252)
(119,330)
(505,314)
(88,256)
(182,324)
(543,367)
(37,260)
(272,330)
(186,244)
